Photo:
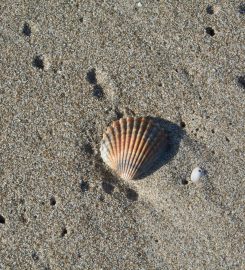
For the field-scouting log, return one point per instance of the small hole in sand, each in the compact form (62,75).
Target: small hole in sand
(119,114)
(242,8)
(38,62)
(184,181)
(2,219)
(84,186)
(35,256)
(131,194)
(98,91)
(213,9)
(91,76)
(227,139)
(26,30)
(212,130)
(23,219)
(182,124)
(88,149)
(160,84)
(210,31)
(52,201)
(241,81)
(64,232)
(107,187)
(210,10)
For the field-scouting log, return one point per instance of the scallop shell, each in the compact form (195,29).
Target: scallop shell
(132,146)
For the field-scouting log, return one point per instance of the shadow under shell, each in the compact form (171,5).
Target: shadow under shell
(136,147)
(174,136)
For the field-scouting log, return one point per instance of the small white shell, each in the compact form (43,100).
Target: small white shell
(139,5)
(196,174)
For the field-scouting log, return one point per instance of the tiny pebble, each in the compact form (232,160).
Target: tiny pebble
(139,5)
(196,174)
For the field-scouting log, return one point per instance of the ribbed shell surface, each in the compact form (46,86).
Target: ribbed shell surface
(131,146)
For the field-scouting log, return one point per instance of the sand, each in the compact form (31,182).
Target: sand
(67,70)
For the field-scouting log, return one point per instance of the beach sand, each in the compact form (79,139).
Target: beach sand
(67,70)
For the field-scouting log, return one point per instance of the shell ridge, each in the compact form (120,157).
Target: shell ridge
(129,149)
(153,155)
(117,130)
(146,150)
(123,124)
(128,136)
(119,145)
(140,145)
(111,135)
(142,157)
(133,144)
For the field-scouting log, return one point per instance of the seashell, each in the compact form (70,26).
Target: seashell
(196,174)
(132,146)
